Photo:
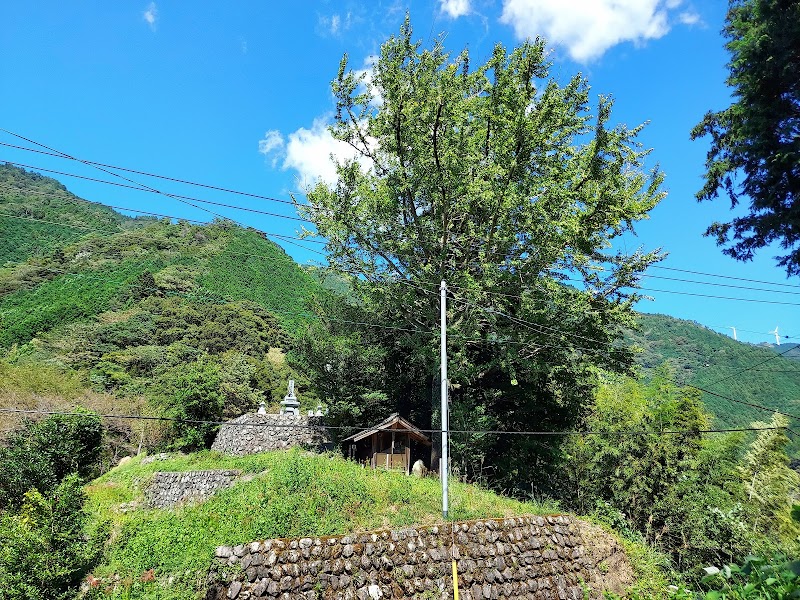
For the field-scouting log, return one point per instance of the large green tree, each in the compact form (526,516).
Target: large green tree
(502,182)
(755,142)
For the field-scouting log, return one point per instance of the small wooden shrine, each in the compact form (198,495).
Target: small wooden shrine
(394,443)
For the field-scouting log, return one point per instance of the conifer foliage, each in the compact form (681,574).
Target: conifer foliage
(755,142)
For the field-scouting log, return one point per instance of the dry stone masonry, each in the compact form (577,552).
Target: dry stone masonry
(253,433)
(169,489)
(547,558)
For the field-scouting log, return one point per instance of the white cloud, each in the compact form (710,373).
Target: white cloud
(334,24)
(273,140)
(689,18)
(455,8)
(309,152)
(151,15)
(587,28)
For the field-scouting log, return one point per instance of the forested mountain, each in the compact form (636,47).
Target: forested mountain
(787,350)
(696,355)
(121,314)
(38,216)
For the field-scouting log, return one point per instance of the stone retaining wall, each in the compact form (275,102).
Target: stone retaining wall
(548,558)
(253,433)
(168,489)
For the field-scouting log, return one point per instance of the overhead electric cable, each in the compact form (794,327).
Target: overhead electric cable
(85,228)
(769,333)
(178,197)
(723,276)
(176,180)
(343,427)
(743,402)
(149,213)
(776,355)
(707,295)
(725,285)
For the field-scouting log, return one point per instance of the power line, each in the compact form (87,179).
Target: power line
(705,295)
(83,227)
(736,400)
(78,200)
(178,197)
(176,180)
(725,285)
(743,402)
(797,370)
(343,427)
(224,298)
(786,337)
(533,326)
(432,333)
(285,238)
(143,187)
(722,276)
(776,355)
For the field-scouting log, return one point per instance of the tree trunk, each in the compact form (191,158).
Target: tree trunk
(436,421)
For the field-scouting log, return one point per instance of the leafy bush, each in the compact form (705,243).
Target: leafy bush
(42,454)
(44,552)
(757,577)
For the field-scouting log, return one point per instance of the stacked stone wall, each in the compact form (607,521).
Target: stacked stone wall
(253,433)
(168,489)
(547,558)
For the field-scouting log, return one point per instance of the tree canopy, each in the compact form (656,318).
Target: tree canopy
(755,142)
(500,181)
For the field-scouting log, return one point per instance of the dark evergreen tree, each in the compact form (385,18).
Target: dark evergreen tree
(755,142)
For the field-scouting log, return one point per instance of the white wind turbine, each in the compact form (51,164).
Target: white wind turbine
(777,338)
(734,331)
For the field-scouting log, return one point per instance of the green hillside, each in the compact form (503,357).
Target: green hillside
(28,199)
(789,350)
(138,312)
(702,357)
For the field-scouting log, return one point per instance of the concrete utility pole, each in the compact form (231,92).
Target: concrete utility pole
(445,409)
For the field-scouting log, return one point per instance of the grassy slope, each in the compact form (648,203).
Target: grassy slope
(292,494)
(65,260)
(713,361)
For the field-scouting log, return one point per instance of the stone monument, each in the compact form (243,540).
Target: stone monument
(290,405)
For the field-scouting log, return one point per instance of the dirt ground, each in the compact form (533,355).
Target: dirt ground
(612,570)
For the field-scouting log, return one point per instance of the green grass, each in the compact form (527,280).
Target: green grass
(292,494)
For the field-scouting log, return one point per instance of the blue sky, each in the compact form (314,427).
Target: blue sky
(237,95)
